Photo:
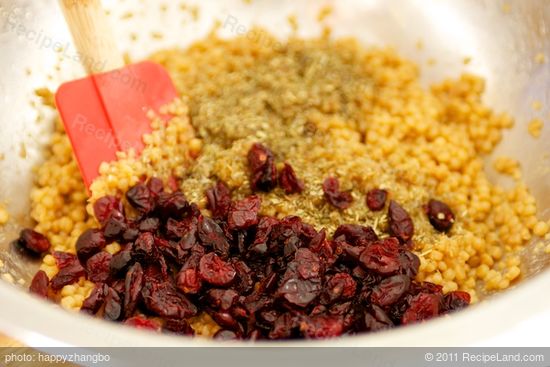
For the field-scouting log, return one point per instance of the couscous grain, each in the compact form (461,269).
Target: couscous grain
(4,215)
(535,127)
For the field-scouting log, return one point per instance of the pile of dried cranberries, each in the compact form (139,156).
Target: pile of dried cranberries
(258,277)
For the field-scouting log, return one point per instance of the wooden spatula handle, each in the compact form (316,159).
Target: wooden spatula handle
(92,35)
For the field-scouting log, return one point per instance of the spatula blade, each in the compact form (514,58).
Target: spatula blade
(107,112)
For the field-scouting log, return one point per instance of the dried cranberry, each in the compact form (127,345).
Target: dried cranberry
(342,309)
(240,312)
(68,274)
(113,305)
(322,327)
(211,234)
(140,322)
(243,214)
(144,247)
(395,312)
(178,326)
(390,290)
(423,306)
(269,283)
(317,241)
(155,185)
(262,166)
(382,256)
(63,259)
(340,286)
(284,326)
(163,265)
(363,295)
(355,234)
(226,320)
(34,242)
(263,231)
(352,320)
(291,245)
(216,271)
(371,279)
(188,281)
(288,180)
(376,319)
(89,243)
(307,232)
(268,316)
(333,195)
(130,235)
(324,248)
(440,215)
(240,237)
(98,267)
(410,263)
(154,273)
(219,200)
(174,205)
(169,250)
(186,243)
(255,302)
(222,299)
(192,262)
(39,284)
(287,234)
(93,303)
(114,229)
(454,301)
(140,197)
(258,155)
(401,224)
(118,285)
(351,252)
(121,261)
(164,300)
(133,284)
(308,264)
(300,292)
(176,230)
(175,251)
(359,273)
(107,207)
(243,281)
(150,224)
(376,199)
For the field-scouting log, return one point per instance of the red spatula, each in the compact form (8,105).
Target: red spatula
(107,111)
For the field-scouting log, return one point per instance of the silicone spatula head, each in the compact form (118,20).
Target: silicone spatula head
(107,111)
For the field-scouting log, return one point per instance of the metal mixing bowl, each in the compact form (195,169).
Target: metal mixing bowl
(502,39)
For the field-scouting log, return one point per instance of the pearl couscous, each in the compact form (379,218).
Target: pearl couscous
(535,127)
(4,215)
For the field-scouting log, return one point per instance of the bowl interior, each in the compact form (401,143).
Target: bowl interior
(503,41)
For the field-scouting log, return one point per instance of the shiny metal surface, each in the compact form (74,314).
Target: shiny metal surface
(502,38)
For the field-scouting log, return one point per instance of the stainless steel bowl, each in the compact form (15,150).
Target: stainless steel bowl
(502,39)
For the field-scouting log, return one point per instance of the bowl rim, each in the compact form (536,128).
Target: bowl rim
(38,324)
